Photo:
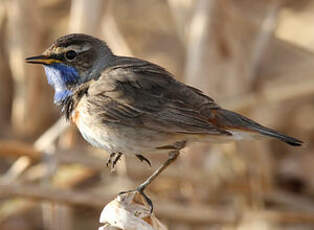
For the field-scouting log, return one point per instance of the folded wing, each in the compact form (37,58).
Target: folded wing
(136,92)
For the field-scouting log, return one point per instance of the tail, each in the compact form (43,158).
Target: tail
(233,121)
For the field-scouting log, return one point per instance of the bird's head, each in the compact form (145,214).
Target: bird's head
(72,60)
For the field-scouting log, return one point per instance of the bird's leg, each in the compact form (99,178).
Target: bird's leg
(171,158)
(109,161)
(140,189)
(142,158)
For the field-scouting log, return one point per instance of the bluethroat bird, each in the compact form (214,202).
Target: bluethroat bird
(130,106)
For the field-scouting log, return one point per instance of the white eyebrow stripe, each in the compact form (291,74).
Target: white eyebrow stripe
(79,48)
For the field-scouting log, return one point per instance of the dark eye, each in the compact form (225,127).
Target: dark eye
(71,54)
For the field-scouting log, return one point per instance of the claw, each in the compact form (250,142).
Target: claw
(109,161)
(142,158)
(140,190)
(116,160)
(147,200)
(113,160)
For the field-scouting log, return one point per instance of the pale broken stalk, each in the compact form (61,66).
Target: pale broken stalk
(128,212)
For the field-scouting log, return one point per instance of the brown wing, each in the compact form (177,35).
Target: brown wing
(135,92)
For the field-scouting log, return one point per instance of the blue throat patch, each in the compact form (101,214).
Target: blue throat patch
(60,76)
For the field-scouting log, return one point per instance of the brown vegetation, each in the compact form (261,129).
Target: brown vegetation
(254,57)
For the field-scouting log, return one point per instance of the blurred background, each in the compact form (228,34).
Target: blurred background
(253,56)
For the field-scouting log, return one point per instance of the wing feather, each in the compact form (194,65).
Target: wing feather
(136,92)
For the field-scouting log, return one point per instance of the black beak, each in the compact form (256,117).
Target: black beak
(41,59)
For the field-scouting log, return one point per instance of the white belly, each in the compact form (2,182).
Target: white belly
(116,138)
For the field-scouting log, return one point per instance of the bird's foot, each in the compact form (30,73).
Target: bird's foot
(109,161)
(142,158)
(113,160)
(140,189)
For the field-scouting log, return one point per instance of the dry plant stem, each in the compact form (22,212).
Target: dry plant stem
(85,16)
(52,220)
(63,196)
(48,137)
(43,143)
(12,148)
(197,40)
(166,209)
(271,95)
(181,12)
(26,205)
(6,86)
(19,166)
(199,214)
(113,35)
(56,216)
(294,201)
(31,104)
(263,37)
(194,177)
